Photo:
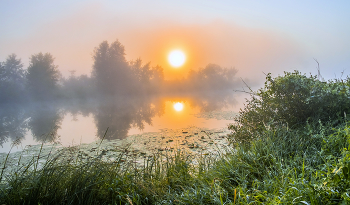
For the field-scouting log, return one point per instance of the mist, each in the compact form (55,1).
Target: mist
(119,93)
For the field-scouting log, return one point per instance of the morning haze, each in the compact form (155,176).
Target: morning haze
(174,102)
(107,62)
(120,94)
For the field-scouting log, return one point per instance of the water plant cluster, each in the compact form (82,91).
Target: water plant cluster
(290,144)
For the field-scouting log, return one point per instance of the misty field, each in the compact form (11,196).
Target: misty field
(290,144)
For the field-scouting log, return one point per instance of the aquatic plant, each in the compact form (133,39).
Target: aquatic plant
(308,163)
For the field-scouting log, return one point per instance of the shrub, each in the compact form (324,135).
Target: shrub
(291,100)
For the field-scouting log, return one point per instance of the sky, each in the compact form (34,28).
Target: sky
(255,37)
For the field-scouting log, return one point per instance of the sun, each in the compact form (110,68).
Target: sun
(176,58)
(178,106)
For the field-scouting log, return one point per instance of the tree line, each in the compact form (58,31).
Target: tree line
(112,76)
(40,80)
(119,93)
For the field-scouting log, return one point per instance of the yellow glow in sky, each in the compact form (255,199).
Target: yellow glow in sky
(178,106)
(176,58)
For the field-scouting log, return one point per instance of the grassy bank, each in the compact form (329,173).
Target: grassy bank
(277,158)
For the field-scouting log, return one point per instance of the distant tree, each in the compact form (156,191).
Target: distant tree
(209,88)
(149,79)
(42,77)
(12,79)
(110,70)
(212,78)
(77,88)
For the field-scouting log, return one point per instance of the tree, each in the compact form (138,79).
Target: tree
(42,77)
(12,79)
(110,70)
(148,79)
(212,78)
(77,88)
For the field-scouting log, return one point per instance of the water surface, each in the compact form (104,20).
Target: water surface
(85,122)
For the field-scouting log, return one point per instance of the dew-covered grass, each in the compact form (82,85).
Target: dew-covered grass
(290,145)
(304,166)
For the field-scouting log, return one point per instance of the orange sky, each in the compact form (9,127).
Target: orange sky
(251,51)
(216,42)
(269,38)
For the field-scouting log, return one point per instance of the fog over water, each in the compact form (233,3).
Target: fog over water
(81,85)
(119,95)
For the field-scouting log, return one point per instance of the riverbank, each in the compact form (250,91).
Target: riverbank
(192,140)
(270,160)
(283,166)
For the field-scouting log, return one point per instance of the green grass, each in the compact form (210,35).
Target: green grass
(304,166)
(277,158)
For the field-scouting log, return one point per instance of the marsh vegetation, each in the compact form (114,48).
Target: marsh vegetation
(290,144)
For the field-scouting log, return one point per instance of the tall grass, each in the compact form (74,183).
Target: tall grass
(277,158)
(304,166)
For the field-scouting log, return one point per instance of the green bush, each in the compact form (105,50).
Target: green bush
(295,159)
(291,100)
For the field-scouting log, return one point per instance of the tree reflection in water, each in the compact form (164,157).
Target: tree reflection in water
(120,94)
(12,123)
(44,122)
(119,115)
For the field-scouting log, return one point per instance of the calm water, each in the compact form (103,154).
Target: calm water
(85,122)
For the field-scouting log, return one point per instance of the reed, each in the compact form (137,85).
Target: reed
(285,166)
(279,159)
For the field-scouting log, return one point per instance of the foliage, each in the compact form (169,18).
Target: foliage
(285,166)
(12,79)
(42,77)
(307,163)
(291,100)
(114,76)
(110,70)
(79,88)
(208,88)
(149,80)
(211,78)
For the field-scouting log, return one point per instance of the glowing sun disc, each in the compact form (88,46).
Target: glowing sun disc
(178,106)
(176,58)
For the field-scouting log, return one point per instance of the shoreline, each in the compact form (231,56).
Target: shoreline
(136,148)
